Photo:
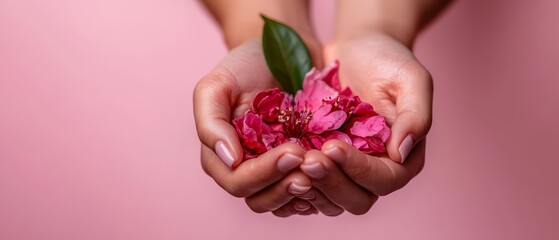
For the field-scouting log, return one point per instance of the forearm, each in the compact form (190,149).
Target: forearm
(401,19)
(240,19)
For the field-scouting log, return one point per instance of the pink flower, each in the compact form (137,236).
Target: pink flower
(268,103)
(253,133)
(369,134)
(321,111)
(314,92)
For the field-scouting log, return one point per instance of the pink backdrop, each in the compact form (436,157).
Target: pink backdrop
(97,138)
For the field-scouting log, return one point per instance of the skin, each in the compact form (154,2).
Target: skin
(373,42)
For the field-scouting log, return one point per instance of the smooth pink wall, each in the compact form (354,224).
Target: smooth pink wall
(97,138)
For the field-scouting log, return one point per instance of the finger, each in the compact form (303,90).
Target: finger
(379,175)
(335,185)
(321,203)
(330,53)
(315,50)
(293,207)
(254,174)
(312,211)
(280,193)
(212,113)
(413,111)
(216,99)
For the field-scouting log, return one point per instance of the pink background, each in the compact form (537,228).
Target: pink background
(97,138)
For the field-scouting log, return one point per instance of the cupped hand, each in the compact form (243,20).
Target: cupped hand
(268,182)
(385,73)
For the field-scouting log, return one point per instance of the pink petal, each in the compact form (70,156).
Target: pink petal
(315,90)
(323,120)
(330,76)
(250,129)
(370,127)
(359,142)
(364,109)
(339,135)
(267,103)
(314,141)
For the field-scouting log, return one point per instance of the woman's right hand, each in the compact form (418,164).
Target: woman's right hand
(269,182)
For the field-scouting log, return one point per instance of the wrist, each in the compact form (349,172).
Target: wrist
(405,33)
(239,32)
(399,19)
(241,26)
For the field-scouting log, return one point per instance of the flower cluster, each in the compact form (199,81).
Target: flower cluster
(321,111)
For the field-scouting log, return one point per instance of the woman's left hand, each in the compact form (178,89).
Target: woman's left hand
(383,72)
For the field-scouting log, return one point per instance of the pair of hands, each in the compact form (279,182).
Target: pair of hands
(287,180)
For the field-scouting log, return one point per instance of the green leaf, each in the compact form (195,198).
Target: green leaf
(286,55)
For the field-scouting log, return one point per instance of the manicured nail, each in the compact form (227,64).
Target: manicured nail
(405,147)
(289,161)
(336,154)
(224,154)
(301,206)
(296,189)
(315,170)
(309,196)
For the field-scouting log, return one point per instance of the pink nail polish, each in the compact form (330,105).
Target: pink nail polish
(309,196)
(405,147)
(297,189)
(289,161)
(336,154)
(315,170)
(301,206)
(224,154)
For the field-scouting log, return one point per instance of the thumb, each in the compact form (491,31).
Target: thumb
(413,114)
(212,114)
(330,53)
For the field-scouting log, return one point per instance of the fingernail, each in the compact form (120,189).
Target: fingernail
(405,147)
(289,161)
(315,170)
(297,189)
(309,196)
(301,206)
(224,154)
(336,154)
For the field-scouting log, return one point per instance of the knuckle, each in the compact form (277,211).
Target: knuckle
(361,173)
(260,177)
(415,70)
(216,83)
(423,121)
(427,123)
